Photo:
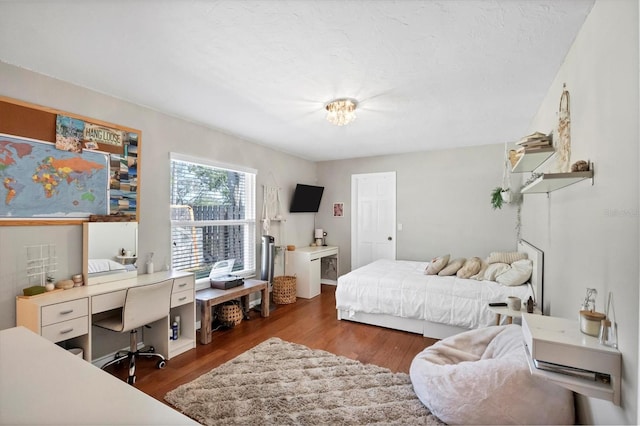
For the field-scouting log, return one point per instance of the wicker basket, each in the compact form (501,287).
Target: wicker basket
(284,290)
(230,314)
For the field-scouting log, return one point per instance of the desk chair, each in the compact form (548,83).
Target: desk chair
(142,305)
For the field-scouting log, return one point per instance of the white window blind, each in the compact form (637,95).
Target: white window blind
(212,216)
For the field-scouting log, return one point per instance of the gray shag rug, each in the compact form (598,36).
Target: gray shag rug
(280,383)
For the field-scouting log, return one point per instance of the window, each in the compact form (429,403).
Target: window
(212,216)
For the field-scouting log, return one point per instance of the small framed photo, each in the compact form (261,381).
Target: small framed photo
(338,209)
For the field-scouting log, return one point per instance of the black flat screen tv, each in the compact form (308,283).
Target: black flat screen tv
(306,199)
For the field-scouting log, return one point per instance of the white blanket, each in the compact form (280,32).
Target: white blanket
(482,377)
(400,288)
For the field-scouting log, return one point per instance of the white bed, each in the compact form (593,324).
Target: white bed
(397,294)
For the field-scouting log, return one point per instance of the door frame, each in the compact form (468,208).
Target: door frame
(355,213)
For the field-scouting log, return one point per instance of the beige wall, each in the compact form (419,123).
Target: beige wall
(590,233)
(161,134)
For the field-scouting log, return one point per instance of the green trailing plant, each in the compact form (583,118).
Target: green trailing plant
(501,194)
(496,198)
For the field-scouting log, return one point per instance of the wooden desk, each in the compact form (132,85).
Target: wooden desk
(210,297)
(42,384)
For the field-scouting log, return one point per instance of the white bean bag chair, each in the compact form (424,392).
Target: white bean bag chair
(482,377)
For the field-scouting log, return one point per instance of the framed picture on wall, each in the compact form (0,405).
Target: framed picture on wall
(338,209)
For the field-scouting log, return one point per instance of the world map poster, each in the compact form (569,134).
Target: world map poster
(39,181)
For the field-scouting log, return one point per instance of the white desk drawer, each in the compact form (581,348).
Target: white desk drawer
(107,301)
(182,284)
(181,298)
(66,329)
(58,312)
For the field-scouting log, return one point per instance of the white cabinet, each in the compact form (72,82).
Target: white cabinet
(183,306)
(65,317)
(306,265)
(56,319)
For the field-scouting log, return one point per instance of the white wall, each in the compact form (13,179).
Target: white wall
(161,134)
(443,203)
(590,233)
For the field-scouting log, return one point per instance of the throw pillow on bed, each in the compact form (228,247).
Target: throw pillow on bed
(452,267)
(505,257)
(436,265)
(495,269)
(470,267)
(517,274)
(480,275)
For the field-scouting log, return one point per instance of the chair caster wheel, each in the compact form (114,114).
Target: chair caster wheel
(162,364)
(131,380)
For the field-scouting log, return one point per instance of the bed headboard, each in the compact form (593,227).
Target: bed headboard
(537,276)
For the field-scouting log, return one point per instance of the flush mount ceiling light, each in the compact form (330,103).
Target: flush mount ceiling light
(341,111)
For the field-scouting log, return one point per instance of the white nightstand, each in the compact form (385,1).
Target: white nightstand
(559,341)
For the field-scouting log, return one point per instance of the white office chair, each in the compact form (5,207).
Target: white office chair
(143,305)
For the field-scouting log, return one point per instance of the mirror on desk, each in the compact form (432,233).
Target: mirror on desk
(103,259)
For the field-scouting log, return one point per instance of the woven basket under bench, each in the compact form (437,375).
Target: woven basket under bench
(229,313)
(284,290)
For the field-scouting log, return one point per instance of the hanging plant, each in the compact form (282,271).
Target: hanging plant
(496,198)
(502,194)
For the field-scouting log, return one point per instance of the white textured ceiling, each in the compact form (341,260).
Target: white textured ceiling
(427,74)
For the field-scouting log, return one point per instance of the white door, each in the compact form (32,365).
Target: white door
(373,222)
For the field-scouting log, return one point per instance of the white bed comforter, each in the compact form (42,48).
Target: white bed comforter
(400,288)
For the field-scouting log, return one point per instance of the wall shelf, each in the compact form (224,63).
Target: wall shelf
(531,159)
(592,388)
(549,182)
(558,341)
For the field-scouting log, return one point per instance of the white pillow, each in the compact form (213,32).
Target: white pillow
(519,273)
(495,269)
(437,265)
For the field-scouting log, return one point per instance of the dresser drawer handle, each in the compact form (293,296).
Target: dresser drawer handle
(182,298)
(68,311)
(182,285)
(66,331)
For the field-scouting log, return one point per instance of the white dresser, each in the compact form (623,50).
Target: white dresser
(306,264)
(65,317)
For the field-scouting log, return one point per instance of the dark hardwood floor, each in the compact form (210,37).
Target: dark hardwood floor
(310,322)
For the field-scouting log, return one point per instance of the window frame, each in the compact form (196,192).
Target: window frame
(250,243)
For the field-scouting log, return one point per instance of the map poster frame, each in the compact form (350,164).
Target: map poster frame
(39,181)
(25,120)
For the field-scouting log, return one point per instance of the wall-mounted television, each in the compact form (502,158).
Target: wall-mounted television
(306,199)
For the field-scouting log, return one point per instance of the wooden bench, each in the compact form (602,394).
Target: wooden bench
(210,297)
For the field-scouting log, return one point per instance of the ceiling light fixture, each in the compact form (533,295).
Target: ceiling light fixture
(341,111)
